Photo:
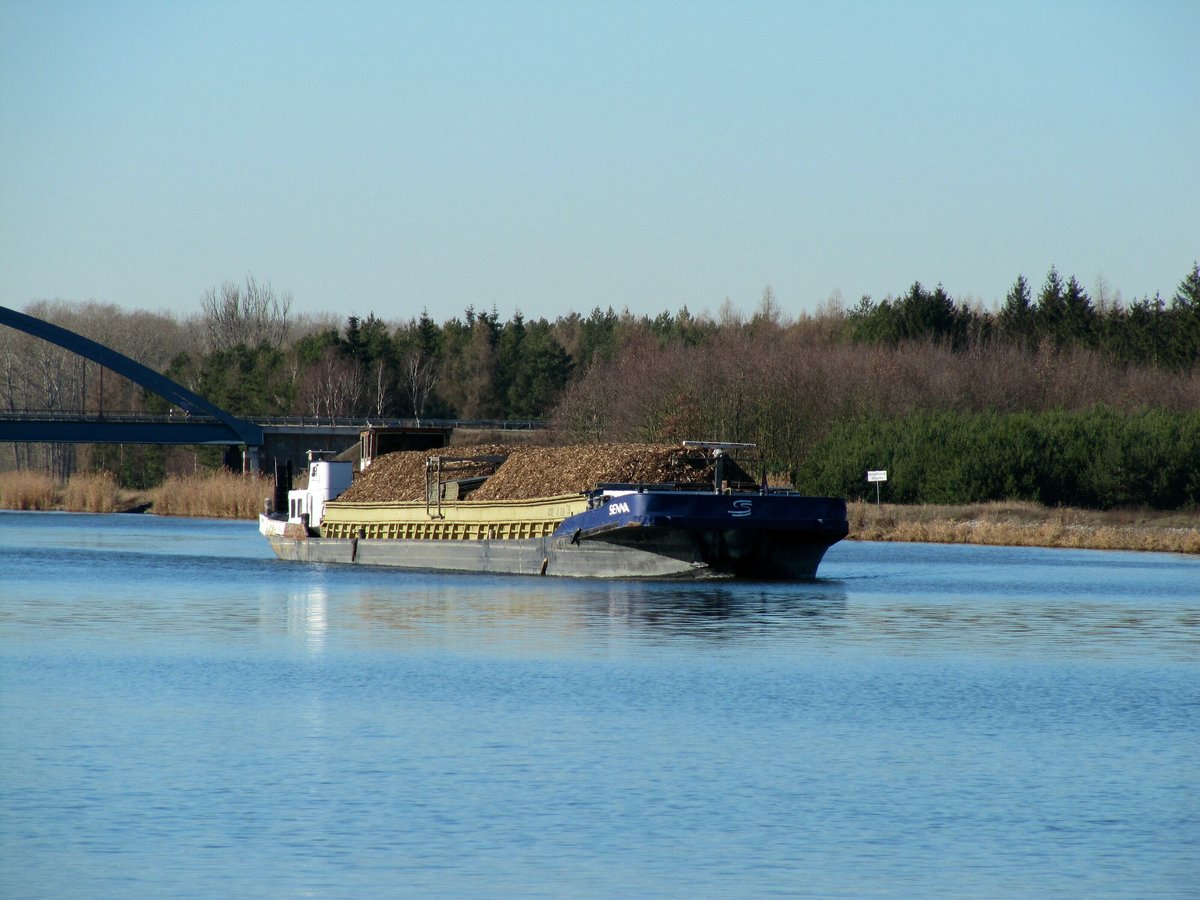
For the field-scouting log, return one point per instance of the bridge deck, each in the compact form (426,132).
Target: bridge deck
(50,426)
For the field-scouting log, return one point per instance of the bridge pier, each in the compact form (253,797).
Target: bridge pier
(285,447)
(247,460)
(292,442)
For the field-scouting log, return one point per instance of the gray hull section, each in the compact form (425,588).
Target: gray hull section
(663,555)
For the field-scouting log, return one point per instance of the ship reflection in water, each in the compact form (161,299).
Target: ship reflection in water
(720,612)
(308,617)
(540,615)
(857,614)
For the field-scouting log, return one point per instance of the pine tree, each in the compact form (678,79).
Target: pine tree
(1017,316)
(1187,295)
(1184,316)
(1050,308)
(1079,316)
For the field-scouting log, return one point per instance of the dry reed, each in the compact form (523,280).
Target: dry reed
(221,495)
(95,492)
(1028,525)
(23,489)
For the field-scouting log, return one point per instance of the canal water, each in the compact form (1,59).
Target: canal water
(183,716)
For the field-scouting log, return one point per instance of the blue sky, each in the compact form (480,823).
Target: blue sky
(548,157)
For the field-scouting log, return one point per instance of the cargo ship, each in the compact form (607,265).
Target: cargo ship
(726,527)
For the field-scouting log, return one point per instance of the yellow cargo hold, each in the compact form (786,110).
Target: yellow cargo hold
(450,520)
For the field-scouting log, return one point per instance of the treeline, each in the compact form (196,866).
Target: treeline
(470,367)
(784,383)
(1149,331)
(1098,459)
(774,388)
(479,367)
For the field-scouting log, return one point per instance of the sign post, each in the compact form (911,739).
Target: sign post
(877,476)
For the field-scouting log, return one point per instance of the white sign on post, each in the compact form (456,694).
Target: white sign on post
(877,475)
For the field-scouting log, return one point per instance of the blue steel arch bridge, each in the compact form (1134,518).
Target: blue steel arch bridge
(199,422)
(196,421)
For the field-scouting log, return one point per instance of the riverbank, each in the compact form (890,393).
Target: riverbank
(1029,525)
(225,495)
(222,495)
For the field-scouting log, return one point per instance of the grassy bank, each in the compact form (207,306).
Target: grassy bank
(217,495)
(226,495)
(1028,525)
(222,495)
(85,492)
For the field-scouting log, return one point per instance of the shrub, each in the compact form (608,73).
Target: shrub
(1098,459)
(217,495)
(91,492)
(23,489)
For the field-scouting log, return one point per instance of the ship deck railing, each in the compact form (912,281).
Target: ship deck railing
(695,487)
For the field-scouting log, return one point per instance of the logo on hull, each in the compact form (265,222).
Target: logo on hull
(741,508)
(615,509)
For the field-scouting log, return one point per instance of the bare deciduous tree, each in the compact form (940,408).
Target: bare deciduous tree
(245,315)
(380,388)
(768,311)
(418,375)
(41,376)
(333,387)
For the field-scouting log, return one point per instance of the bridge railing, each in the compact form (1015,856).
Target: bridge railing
(373,422)
(54,415)
(58,415)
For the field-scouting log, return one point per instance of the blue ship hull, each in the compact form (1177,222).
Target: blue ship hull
(763,535)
